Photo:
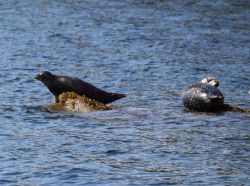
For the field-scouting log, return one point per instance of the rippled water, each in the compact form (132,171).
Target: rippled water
(147,49)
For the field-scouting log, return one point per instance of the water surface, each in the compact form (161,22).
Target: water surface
(147,49)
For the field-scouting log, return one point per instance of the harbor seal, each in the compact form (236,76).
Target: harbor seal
(203,96)
(206,97)
(60,84)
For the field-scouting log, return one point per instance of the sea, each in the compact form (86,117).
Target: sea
(149,50)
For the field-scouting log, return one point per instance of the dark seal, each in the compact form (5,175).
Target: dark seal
(60,84)
(206,97)
(203,96)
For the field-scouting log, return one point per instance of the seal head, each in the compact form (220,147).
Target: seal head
(44,77)
(211,81)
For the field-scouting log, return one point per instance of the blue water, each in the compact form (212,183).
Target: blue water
(148,49)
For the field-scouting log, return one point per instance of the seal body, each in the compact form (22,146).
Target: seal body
(203,97)
(60,84)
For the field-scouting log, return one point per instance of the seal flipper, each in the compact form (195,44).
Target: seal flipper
(119,96)
(116,96)
(227,107)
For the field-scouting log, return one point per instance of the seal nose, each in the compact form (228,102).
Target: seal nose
(217,83)
(214,82)
(37,76)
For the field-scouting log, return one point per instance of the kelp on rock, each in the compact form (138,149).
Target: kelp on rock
(72,102)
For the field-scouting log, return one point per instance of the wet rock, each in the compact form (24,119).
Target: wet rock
(72,102)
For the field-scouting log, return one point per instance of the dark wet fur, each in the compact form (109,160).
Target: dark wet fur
(193,97)
(213,103)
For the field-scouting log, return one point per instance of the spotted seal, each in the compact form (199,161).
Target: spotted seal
(203,96)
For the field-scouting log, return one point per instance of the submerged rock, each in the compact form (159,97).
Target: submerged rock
(72,102)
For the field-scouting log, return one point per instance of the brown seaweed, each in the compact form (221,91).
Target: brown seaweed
(72,102)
